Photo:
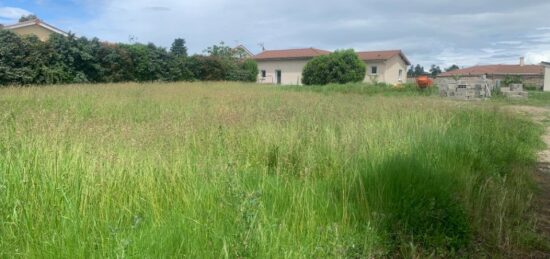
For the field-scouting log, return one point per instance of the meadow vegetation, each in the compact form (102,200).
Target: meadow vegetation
(210,170)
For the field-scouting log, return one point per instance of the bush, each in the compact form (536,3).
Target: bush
(208,68)
(339,67)
(59,60)
(508,80)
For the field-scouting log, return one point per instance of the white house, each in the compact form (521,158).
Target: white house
(284,67)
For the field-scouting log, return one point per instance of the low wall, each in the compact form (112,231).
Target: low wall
(496,80)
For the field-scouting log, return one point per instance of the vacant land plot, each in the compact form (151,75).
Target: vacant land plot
(231,170)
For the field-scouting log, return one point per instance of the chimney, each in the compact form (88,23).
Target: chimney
(522,61)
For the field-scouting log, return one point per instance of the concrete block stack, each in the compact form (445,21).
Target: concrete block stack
(515,91)
(462,90)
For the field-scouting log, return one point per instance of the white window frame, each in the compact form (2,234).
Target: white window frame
(374,67)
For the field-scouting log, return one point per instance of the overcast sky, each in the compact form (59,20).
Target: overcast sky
(442,32)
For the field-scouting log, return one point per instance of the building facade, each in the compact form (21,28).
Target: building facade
(285,67)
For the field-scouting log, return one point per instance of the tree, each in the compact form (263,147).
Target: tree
(435,70)
(220,50)
(30,17)
(451,68)
(419,70)
(178,48)
(339,67)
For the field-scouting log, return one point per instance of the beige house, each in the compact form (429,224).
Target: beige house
(284,67)
(388,66)
(36,27)
(546,87)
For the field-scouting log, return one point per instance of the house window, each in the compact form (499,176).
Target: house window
(374,70)
(400,75)
(263,73)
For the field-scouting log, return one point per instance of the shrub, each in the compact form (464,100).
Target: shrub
(208,68)
(339,67)
(508,80)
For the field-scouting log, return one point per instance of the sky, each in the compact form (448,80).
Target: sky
(441,32)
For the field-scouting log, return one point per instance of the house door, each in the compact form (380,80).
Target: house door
(278,76)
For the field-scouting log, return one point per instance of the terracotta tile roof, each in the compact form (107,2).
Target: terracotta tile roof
(382,55)
(291,54)
(497,70)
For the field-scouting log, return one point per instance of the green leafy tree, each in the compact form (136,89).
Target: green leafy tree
(451,68)
(220,50)
(415,71)
(178,48)
(435,70)
(339,67)
(419,70)
(30,17)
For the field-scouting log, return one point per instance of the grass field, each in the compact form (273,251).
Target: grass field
(210,170)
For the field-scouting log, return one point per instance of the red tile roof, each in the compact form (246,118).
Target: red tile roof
(312,52)
(291,54)
(382,55)
(497,70)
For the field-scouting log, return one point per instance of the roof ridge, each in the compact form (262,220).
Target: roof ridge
(389,50)
(310,48)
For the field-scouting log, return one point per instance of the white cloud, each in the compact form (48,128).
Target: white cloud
(12,13)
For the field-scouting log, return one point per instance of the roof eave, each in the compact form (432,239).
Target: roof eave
(39,23)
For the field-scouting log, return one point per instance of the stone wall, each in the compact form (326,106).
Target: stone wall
(496,80)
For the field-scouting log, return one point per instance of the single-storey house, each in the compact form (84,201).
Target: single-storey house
(36,27)
(388,66)
(546,87)
(531,75)
(285,67)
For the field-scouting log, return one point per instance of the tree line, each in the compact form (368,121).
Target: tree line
(434,71)
(61,60)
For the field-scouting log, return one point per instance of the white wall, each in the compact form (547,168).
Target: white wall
(291,71)
(388,71)
(380,76)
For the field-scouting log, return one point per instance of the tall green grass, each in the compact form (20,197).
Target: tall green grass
(379,89)
(227,170)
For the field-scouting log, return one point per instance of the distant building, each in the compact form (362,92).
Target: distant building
(531,75)
(546,87)
(285,67)
(36,27)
